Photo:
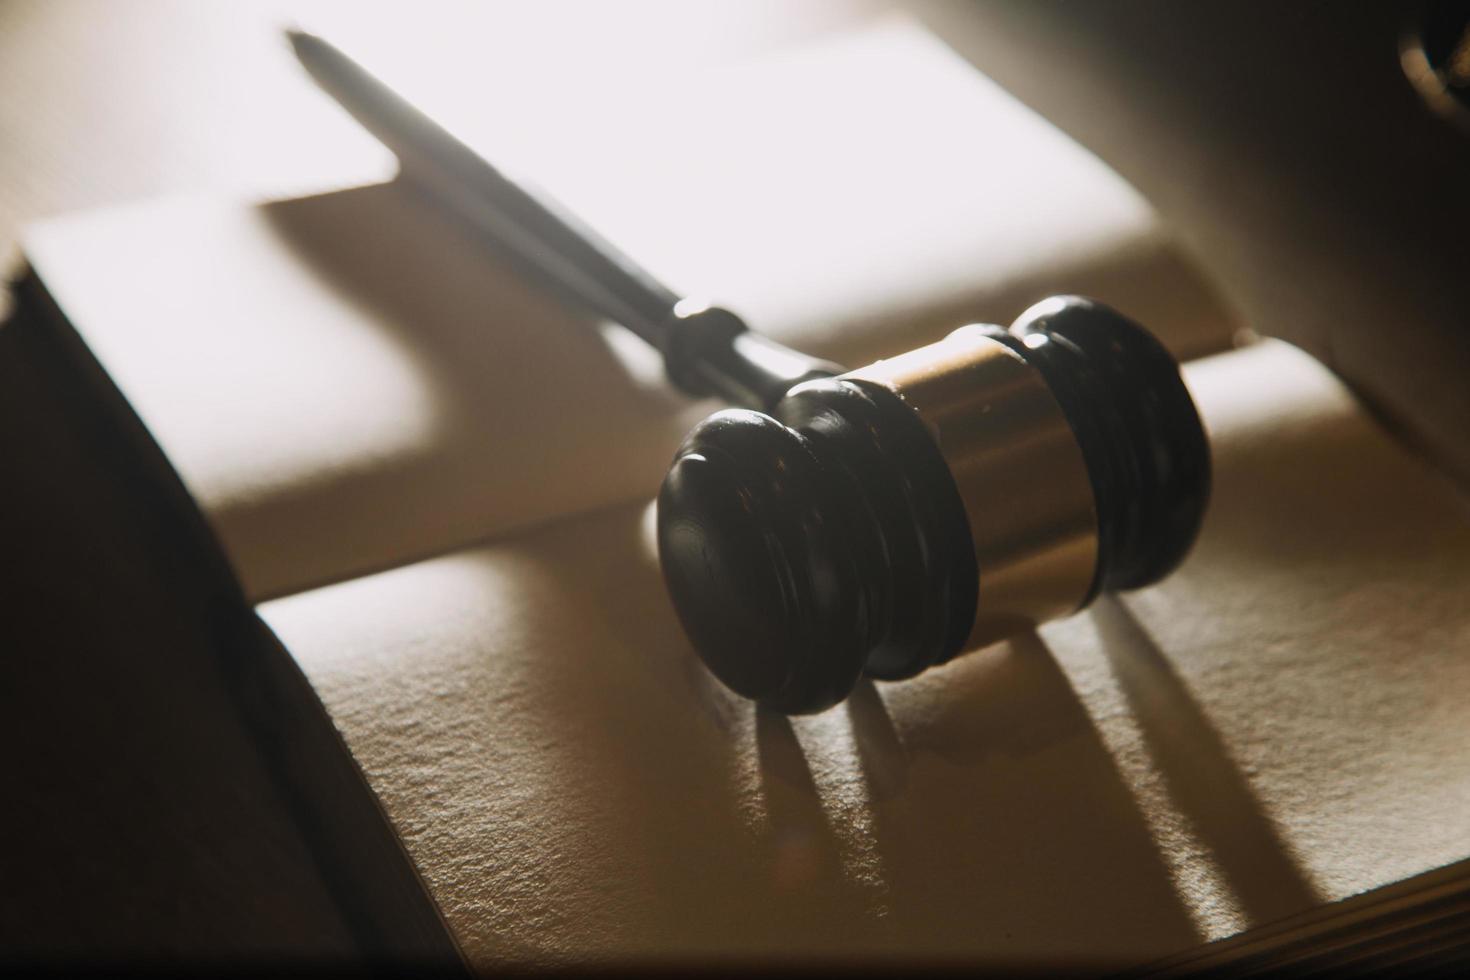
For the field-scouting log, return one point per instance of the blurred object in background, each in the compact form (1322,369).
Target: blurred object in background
(1296,160)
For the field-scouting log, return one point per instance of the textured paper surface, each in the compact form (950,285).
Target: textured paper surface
(347,382)
(1279,724)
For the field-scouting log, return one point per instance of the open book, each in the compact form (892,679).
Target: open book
(436,485)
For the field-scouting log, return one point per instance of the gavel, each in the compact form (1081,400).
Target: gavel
(878,521)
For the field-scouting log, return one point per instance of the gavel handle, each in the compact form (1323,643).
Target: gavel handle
(707,352)
(566,255)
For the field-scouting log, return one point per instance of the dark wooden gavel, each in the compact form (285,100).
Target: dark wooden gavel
(878,521)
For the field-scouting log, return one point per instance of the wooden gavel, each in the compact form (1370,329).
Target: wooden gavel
(877,521)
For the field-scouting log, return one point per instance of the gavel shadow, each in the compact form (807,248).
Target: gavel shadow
(455,304)
(998,814)
(1013,709)
(973,811)
(1203,783)
(495,374)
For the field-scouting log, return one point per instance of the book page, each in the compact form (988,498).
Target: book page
(349,381)
(1278,725)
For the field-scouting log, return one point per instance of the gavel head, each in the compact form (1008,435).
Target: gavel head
(884,520)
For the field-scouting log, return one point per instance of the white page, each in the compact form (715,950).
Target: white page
(1278,725)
